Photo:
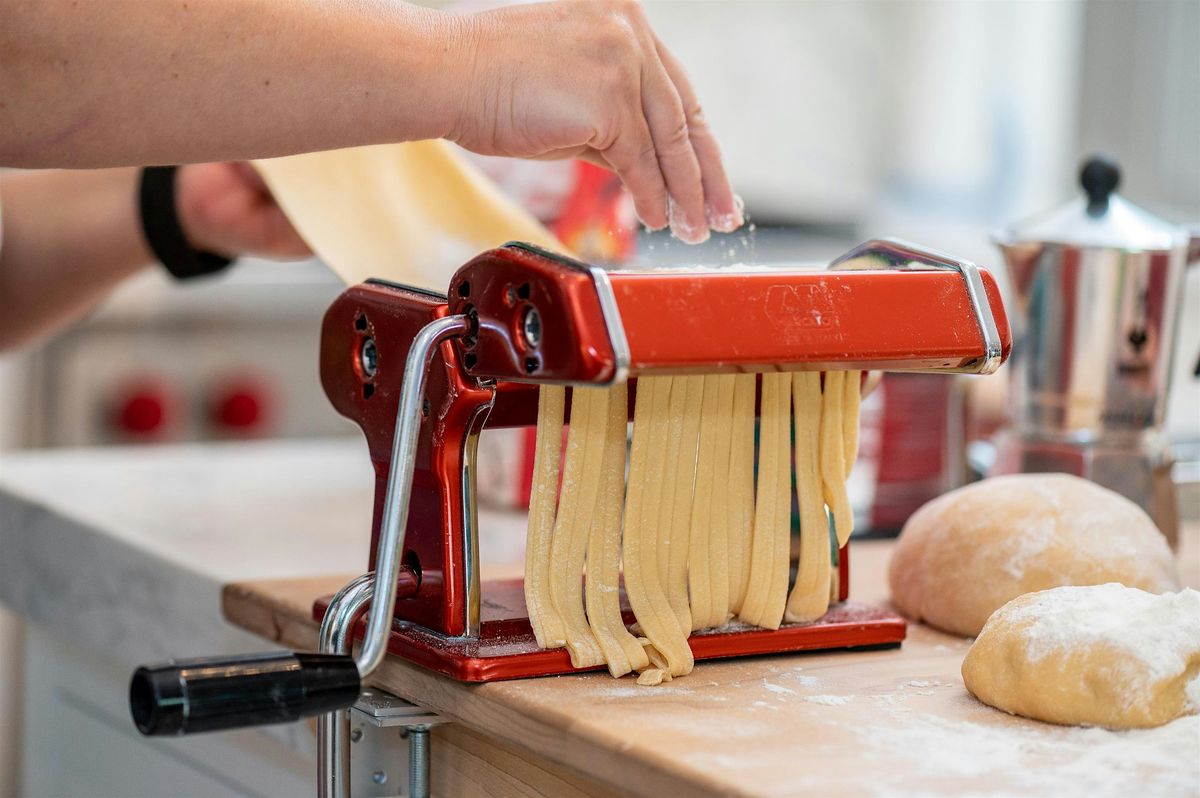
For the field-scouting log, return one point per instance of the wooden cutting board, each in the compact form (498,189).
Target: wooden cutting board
(839,723)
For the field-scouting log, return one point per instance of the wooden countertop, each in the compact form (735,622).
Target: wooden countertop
(838,723)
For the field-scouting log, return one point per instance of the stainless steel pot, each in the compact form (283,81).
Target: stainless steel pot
(1098,287)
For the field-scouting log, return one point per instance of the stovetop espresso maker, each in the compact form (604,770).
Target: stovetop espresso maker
(1098,289)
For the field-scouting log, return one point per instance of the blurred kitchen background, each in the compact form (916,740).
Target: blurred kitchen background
(938,122)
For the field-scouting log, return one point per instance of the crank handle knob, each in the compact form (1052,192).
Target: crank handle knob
(214,693)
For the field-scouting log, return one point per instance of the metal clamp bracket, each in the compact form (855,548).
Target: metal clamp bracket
(386,710)
(376,749)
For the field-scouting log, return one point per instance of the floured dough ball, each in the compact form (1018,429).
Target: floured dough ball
(1104,655)
(965,554)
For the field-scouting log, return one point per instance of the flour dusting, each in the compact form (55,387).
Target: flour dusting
(1037,758)
(828,700)
(1157,636)
(778,688)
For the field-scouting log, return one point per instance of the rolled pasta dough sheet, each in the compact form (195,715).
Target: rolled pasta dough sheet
(411,213)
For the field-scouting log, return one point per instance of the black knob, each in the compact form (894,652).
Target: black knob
(1099,177)
(210,694)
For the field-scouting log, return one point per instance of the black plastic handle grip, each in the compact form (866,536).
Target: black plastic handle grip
(210,694)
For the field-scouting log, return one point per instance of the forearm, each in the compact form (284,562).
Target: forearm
(121,82)
(68,239)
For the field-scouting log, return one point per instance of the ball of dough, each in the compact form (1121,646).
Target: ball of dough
(1104,655)
(967,553)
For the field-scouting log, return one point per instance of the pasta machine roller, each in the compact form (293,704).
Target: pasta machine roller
(422,372)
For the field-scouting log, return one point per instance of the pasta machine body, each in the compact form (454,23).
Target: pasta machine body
(421,373)
(536,318)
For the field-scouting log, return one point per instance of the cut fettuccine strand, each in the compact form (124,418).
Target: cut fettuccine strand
(833,454)
(810,595)
(768,580)
(850,414)
(699,537)
(622,650)
(741,490)
(640,547)
(708,572)
(675,521)
(576,506)
(543,504)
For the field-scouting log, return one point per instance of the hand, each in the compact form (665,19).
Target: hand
(590,79)
(227,209)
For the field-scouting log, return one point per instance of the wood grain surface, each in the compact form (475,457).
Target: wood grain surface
(825,724)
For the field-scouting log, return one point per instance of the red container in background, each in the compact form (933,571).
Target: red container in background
(595,221)
(922,448)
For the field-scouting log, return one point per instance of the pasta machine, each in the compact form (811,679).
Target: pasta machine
(422,373)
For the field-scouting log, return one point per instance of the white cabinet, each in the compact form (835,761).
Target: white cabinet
(78,740)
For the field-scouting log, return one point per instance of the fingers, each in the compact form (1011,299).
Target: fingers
(279,237)
(632,156)
(677,160)
(722,209)
(690,167)
(614,94)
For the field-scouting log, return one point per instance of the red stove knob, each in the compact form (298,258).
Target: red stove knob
(240,408)
(142,409)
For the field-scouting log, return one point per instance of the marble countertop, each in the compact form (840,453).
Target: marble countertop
(126,550)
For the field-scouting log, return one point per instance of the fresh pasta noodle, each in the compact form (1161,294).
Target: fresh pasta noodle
(741,490)
(708,573)
(543,505)
(674,523)
(699,592)
(850,414)
(576,506)
(646,596)
(623,651)
(832,455)
(810,595)
(768,574)
(656,556)
(698,536)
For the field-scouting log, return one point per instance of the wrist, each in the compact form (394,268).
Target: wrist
(198,232)
(131,246)
(446,45)
(163,229)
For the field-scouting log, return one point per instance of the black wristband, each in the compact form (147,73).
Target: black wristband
(164,234)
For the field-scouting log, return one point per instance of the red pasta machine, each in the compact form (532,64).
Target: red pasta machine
(422,373)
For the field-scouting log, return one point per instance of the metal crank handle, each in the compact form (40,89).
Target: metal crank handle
(183,697)
(215,693)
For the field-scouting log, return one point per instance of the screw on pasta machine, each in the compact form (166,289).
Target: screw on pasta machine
(418,761)
(368,358)
(531,327)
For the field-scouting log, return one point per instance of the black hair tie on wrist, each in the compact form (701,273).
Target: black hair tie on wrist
(164,234)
